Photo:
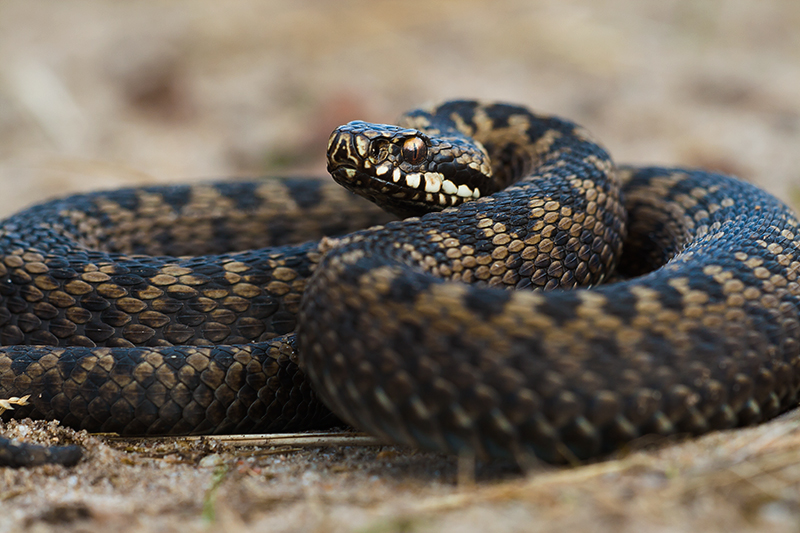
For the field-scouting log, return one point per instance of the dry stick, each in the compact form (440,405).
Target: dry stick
(316,439)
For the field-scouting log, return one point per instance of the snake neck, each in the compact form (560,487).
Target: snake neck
(450,154)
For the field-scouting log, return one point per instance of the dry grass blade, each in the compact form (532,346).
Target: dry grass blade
(304,440)
(8,403)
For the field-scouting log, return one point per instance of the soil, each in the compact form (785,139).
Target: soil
(101,94)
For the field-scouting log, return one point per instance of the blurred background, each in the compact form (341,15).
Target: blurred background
(100,93)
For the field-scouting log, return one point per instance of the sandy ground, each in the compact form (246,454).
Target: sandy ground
(100,94)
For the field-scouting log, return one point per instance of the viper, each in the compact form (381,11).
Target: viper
(534,301)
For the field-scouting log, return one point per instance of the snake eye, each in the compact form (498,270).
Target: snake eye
(414,150)
(378,151)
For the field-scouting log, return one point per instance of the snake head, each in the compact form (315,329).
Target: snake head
(406,171)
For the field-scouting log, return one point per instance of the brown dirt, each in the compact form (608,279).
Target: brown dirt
(98,94)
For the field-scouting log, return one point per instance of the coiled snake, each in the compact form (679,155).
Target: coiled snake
(137,311)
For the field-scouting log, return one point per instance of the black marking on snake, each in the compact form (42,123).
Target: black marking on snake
(707,341)
(305,192)
(486,304)
(242,193)
(406,289)
(176,197)
(125,198)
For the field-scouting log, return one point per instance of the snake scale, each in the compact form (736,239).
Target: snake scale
(191,309)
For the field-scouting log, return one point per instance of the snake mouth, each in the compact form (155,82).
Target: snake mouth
(396,198)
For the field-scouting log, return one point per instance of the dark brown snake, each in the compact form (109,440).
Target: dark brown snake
(405,330)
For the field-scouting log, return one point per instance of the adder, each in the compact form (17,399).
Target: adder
(187,309)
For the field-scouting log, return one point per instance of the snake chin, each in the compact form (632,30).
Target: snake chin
(396,199)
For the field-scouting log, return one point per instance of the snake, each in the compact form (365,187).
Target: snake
(515,296)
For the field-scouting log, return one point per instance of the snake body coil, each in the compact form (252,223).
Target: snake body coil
(405,330)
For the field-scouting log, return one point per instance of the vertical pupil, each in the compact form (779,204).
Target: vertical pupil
(414,150)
